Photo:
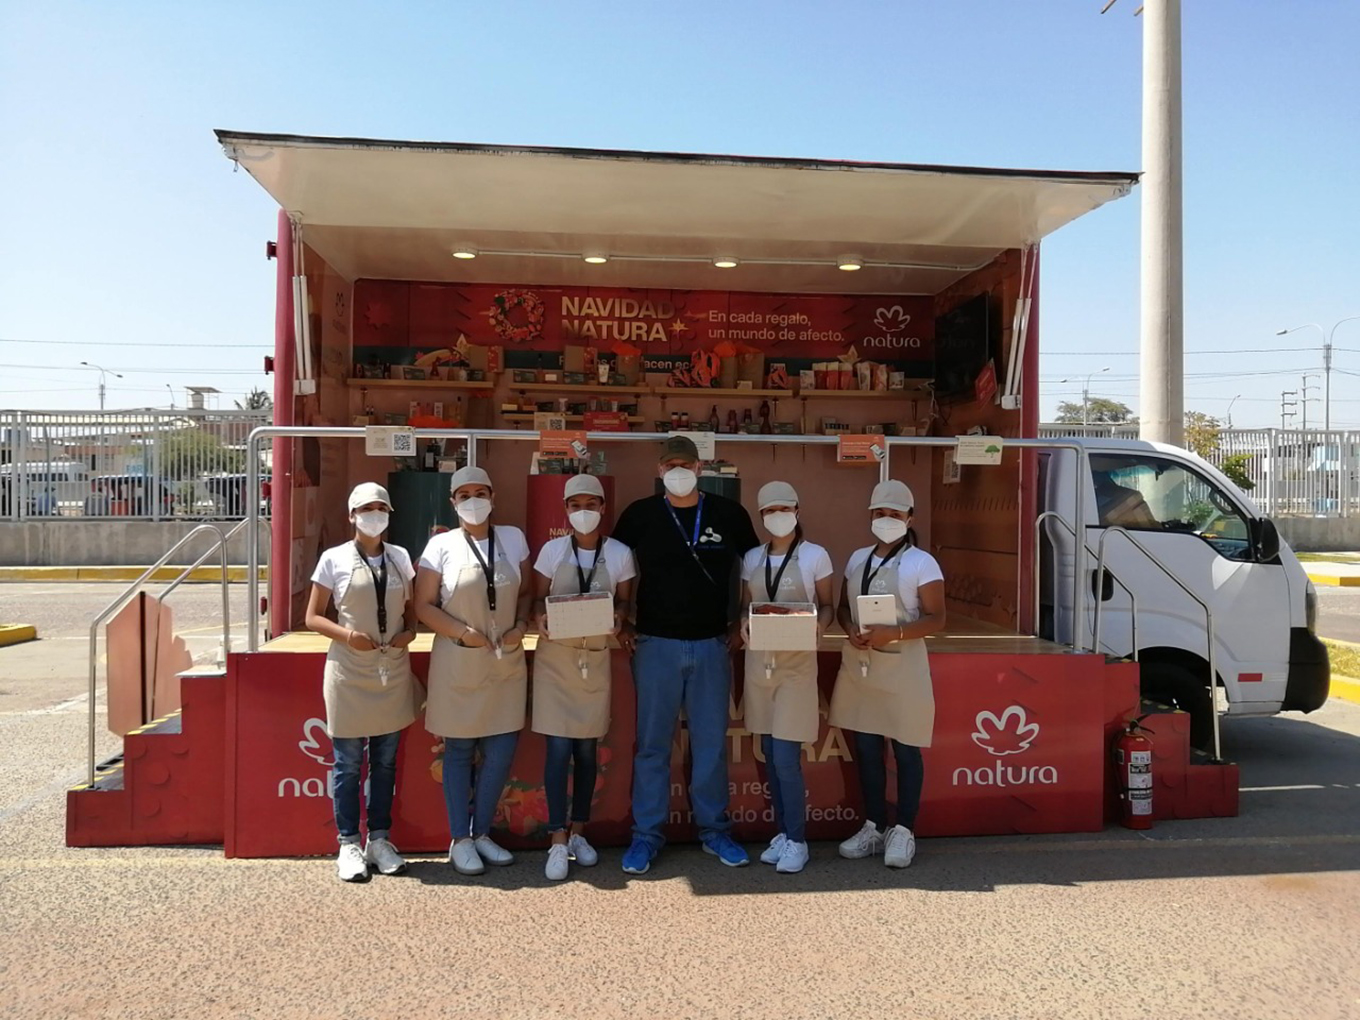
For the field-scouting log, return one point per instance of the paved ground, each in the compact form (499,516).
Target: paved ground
(1339,613)
(1248,918)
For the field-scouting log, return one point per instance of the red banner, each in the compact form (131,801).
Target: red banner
(650,322)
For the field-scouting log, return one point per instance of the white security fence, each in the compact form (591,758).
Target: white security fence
(1287,472)
(152,465)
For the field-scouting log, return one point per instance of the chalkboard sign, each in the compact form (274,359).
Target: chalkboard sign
(966,338)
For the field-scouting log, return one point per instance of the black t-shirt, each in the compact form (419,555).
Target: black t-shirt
(675,598)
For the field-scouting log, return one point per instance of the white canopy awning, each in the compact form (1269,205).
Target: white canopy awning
(396,210)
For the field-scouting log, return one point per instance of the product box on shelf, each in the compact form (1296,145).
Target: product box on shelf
(524,375)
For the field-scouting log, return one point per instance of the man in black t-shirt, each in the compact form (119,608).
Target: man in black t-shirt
(688,547)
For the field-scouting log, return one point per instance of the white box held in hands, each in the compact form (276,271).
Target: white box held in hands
(783,626)
(580,616)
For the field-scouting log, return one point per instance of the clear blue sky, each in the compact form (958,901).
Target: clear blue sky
(123,224)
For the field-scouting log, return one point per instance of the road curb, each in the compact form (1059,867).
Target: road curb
(1334,580)
(1346,688)
(161,575)
(16,633)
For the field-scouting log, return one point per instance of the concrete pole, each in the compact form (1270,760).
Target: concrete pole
(1162,363)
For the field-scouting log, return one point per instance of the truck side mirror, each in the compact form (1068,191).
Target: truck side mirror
(1267,540)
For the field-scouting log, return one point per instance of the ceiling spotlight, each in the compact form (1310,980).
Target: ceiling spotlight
(595,258)
(464,251)
(849,263)
(725,262)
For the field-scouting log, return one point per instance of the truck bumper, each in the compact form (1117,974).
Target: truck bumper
(1310,672)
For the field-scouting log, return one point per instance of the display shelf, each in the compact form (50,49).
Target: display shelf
(594,389)
(430,384)
(529,416)
(859,394)
(696,391)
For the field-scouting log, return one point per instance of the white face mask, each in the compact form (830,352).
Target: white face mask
(781,523)
(371,522)
(475,510)
(889,529)
(680,481)
(584,521)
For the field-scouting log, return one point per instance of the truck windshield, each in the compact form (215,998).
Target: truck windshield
(1149,493)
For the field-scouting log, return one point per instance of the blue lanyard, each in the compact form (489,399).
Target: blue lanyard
(693,541)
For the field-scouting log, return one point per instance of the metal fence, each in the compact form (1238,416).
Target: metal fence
(1287,472)
(154,465)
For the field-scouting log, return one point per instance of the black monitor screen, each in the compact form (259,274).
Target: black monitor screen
(966,338)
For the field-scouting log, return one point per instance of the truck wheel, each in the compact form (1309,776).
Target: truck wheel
(1180,687)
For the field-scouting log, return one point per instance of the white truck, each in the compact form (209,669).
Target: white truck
(1188,562)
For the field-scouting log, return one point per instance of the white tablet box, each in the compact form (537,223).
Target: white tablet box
(876,610)
(580,616)
(792,629)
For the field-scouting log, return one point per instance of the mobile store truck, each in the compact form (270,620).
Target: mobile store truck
(825,323)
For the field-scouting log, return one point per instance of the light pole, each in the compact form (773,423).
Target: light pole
(1326,363)
(102,373)
(1303,398)
(172,395)
(1230,404)
(1086,396)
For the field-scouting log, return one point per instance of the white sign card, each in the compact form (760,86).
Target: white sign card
(979,450)
(389,441)
(580,616)
(705,442)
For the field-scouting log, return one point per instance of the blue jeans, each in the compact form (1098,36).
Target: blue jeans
(873,779)
(472,810)
(697,675)
(347,783)
(788,794)
(561,751)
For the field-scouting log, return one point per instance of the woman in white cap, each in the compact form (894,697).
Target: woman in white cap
(474,591)
(883,693)
(572,676)
(780,693)
(369,691)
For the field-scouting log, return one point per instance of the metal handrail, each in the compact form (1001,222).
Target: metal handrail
(1095,637)
(471,436)
(219,543)
(1115,529)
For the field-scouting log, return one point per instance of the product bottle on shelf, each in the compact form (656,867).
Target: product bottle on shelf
(765,427)
(713,420)
(431,460)
(684,420)
(732,421)
(746,417)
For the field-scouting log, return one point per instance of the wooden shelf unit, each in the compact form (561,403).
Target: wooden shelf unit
(519,416)
(591,389)
(440,384)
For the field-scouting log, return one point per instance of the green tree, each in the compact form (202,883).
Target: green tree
(1202,433)
(1097,411)
(188,453)
(256,400)
(1235,467)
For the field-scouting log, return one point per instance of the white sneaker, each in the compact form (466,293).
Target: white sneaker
(492,853)
(350,865)
(772,852)
(900,847)
(464,857)
(793,858)
(558,862)
(583,853)
(383,856)
(865,843)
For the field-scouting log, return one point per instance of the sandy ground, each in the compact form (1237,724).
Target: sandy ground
(1251,917)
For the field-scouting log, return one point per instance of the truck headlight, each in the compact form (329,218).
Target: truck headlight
(1310,607)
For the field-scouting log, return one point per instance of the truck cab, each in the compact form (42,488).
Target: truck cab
(1186,554)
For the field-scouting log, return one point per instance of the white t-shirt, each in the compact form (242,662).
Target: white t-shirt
(618,559)
(814,563)
(915,568)
(333,569)
(448,553)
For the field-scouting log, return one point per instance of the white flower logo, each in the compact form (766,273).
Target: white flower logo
(316,742)
(892,320)
(1010,734)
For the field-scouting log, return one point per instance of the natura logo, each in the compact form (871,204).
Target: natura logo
(1010,734)
(892,320)
(315,744)
(1002,735)
(891,324)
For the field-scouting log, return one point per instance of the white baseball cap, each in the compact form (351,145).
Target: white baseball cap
(368,492)
(469,476)
(776,494)
(583,485)
(892,495)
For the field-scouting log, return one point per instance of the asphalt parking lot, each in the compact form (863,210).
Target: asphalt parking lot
(1256,916)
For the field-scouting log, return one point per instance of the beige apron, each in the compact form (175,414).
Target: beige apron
(571,678)
(885,691)
(370,693)
(779,696)
(472,693)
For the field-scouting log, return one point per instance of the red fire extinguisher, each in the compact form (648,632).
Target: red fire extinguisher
(1133,755)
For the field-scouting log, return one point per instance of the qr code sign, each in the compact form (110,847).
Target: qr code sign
(403,444)
(389,441)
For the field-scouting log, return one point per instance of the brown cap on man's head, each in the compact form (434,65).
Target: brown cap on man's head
(680,446)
